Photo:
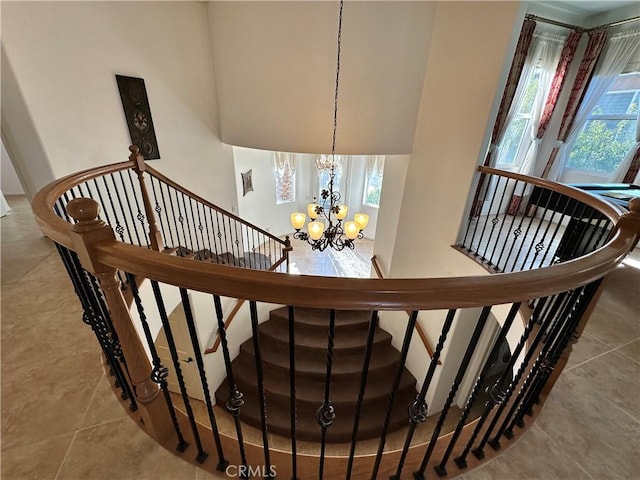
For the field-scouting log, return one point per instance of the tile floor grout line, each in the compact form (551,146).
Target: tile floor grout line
(625,412)
(95,392)
(66,454)
(566,454)
(600,355)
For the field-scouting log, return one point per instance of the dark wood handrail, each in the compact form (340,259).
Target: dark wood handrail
(198,198)
(348,293)
(421,333)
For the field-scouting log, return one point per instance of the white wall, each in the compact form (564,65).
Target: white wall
(9,179)
(287,51)
(64,57)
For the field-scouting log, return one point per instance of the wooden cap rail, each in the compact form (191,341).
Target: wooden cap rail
(349,293)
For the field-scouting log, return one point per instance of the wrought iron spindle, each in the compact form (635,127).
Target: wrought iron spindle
(482,320)
(486,220)
(460,460)
(140,216)
(205,229)
(566,302)
(363,385)
(173,213)
(292,392)
(224,234)
(497,392)
(129,209)
(418,408)
(257,349)
(192,245)
(502,224)
(197,352)
(160,373)
(217,237)
(524,239)
(202,455)
(411,325)
(181,219)
(119,229)
(326,412)
(494,222)
(471,213)
(235,401)
(504,244)
(238,254)
(557,228)
(539,246)
(158,209)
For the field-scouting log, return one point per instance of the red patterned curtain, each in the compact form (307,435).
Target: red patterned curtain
(517,64)
(595,45)
(566,57)
(631,174)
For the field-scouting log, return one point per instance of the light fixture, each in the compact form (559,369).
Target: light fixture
(327,228)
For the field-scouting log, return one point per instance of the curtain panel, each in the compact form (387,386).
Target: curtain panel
(619,50)
(592,53)
(513,78)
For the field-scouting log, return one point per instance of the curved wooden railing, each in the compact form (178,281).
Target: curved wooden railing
(560,295)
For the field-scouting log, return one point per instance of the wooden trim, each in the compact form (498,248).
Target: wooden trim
(198,198)
(421,333)
(227,322)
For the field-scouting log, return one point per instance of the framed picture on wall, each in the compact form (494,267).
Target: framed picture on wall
(247,182)
(135,103)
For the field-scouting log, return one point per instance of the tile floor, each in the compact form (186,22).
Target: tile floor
(60,421)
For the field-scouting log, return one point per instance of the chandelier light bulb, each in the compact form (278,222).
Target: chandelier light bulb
(297,220)
(312,210)
(315,230)
(351,230)
(362,219)
(342,212)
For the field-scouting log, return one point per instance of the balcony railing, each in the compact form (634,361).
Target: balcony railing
(534,310)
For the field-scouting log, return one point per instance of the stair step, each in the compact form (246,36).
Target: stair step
(312,317)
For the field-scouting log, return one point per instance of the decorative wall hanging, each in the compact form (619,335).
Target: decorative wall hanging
(138,114)
(247,183)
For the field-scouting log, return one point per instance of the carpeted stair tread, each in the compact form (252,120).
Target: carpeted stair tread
(311,338)
(384,359)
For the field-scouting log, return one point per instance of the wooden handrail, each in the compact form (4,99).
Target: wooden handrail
(152,171)
(421,333)
(348,293)
(234,311)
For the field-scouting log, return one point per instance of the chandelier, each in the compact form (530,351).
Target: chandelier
(327,227)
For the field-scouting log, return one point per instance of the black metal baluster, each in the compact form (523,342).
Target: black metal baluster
(192,223)
(555,231)
(486,221)
(504,244)
(94,317)
(411,325)
(257,349)
(482,319)
(122,209)
(224,233)
(160,373)
(460,460)
(118,227)
(197,352)
(192,245)
(418,409)
(129,209)
(237,242)
(484,198)
(538,246)
(217,237)
(495,262)
(141,217)
(157,208)
(166,214)
(363,384)
(103,205)
(235,401)
(564,301)
(206,232)
(496,392)
(292,393)
(181,219)
(202,455)
(326,413)
(494,222)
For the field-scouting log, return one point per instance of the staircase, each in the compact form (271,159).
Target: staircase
(311,328)
(254,260)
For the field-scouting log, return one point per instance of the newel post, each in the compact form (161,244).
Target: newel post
(86,233)
(155,236)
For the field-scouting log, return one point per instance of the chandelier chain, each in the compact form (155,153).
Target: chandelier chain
(335,99)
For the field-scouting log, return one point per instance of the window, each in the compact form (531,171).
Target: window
(513,145)
(373,181)
(285,176)
(323,163)
(609,131)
